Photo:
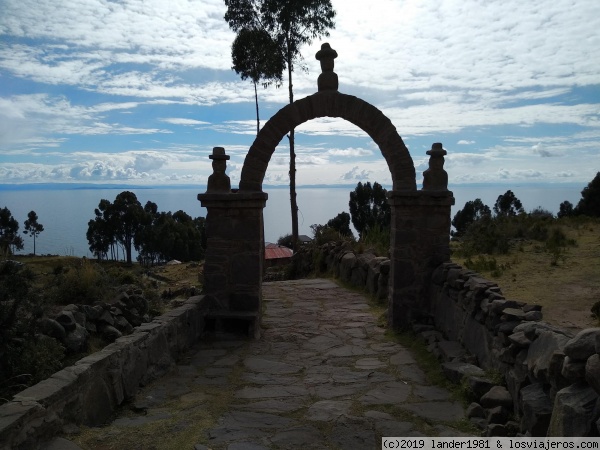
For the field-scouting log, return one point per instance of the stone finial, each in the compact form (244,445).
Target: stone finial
(219,181)
(435,177)
(328,80)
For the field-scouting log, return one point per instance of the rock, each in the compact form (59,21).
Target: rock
(513,313)
(92,313)
(52,328)
(555,377)
(106,318)
(123,325)
(533,316)
(497,396)
(583,345)
(497,414)
(541,350)
(574,411)
(479,385)
(533,329)
(451,350)
(496,429)
(537,409)
(109,332)
(76,340)
(475,410)
(455,371)
(519,339)
(592,372)
(573,370)
(67,320)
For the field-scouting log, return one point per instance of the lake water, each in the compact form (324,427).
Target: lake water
(65,213)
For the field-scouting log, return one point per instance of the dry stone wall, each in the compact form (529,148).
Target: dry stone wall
(526,377)
(89,391)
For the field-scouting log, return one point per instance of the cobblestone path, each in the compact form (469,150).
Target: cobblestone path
(322,376)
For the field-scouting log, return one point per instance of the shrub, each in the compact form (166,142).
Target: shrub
(84,283)
(557,244)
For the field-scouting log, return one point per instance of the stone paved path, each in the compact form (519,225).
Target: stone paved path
(323,375)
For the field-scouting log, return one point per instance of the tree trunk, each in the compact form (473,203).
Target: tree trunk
(293,202)
(33,244)
(257,118)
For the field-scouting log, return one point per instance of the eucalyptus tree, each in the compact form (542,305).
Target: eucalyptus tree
(32,227)
(9,227)
(255,56)
(291,24)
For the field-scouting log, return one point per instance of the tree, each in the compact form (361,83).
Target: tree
(9,239)
(508,205)
(589,204)
(341,223)
(369,207)
(471,212)
(116,223)
(255,55)
(291,24)
(32,227)
(566,209)
(126,216)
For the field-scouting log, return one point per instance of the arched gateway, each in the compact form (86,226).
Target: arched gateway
(234,224)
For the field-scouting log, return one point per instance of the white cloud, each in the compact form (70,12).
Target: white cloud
(465,142)
(183,121)
(355,174)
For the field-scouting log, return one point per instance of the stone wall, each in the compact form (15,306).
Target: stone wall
(89,391)
(526,377)
(551,375)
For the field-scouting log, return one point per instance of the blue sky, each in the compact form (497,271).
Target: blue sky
(139,91)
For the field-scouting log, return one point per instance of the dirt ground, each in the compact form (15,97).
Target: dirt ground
(566,290)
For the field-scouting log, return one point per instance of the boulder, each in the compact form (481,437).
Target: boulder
(475,410)
(583,345)
(592,372)
(456,370)
(536,408)
(109,332)
(76,340)
(573,370)
(541,350)
(451,350)
(123,325)
(575,409)
(67,320)
(106,318)
(497,414)
(497,396)
(52,328)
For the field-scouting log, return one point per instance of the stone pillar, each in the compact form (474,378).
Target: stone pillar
(234,256)
(419,242)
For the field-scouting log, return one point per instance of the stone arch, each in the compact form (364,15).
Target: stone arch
(329,104)
(420,228)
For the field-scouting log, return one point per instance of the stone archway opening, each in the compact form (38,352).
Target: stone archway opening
(420,228)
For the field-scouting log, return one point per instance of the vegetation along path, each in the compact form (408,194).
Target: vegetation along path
(323,375)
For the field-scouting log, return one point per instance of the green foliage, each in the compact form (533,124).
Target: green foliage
(566,209)
(285,240)
(157,236)
(256,55)
(486,235)
(9,227)
(485,264)
(369,207)
(32,227)
(557,244)
(24,360)
(337,229)
(84,283)
(589,205)
(508,205)
(472,211)
(378,239)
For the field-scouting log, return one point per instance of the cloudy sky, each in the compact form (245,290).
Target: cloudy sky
(139,91)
